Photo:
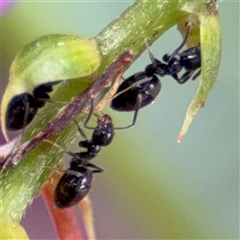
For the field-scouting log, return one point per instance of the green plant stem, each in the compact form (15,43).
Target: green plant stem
(19,185)
(148,19)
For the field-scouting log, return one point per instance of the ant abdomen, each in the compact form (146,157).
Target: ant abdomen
(72,188)
(138,93)
(16,111)
(22,108)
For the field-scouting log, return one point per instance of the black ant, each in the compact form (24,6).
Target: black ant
(142,88)
(190,60)
(20,105)
(76,182)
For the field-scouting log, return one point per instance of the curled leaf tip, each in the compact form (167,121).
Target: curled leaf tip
(210,42)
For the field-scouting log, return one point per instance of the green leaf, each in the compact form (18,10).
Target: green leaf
(54,57)
(49,58)
(24,181)
(210,38)
(12,230)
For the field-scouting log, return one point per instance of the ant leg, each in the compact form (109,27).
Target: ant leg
(86,121)
(145,80)
(170,57)
(74,155)
(80,130)
(196,75)
(68,171)
(97,169)
(89,116)
(185,77)
(139,101)
(175,76)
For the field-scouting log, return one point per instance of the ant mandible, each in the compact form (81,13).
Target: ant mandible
(76,182)
(142,88)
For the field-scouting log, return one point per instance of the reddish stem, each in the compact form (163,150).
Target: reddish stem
(65,220)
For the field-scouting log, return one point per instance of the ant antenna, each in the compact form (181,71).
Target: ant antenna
(89,115)
(152,58)
(189,27)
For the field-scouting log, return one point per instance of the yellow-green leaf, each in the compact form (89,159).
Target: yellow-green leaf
(54,57)
(49,58)
(210,38)
(12,230)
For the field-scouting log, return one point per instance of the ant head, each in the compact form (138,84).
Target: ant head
(151,69)
(166,57)
(158,68)
(105,119)
(103,133)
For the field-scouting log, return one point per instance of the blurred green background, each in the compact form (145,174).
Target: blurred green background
(152,187)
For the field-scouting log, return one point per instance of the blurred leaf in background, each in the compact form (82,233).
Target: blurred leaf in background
(6,6)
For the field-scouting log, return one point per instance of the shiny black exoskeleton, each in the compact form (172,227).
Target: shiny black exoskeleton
(77,180)
(142,88)
(190,60)
(136,92)
(23,107)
